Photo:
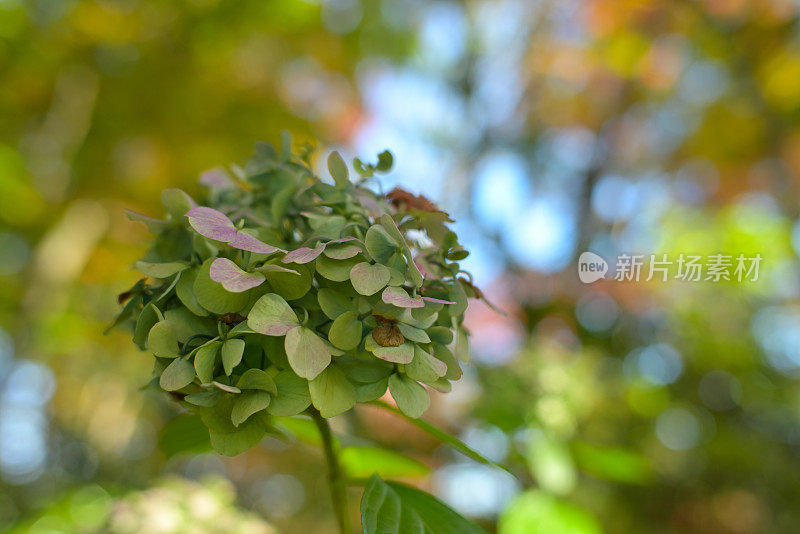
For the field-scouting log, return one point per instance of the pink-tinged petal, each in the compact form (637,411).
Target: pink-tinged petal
(421,268)
(304,254)
(272,268)
(216,178)
(211,223)
(244,241)
(232,278)
(397,296)
(438,301)
(342,240)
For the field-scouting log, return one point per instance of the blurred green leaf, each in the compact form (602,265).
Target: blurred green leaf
(443,436)
(184,434)
(613,463)
(363,462)
(535,512)
(338,170)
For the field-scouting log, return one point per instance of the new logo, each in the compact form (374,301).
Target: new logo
(591,267)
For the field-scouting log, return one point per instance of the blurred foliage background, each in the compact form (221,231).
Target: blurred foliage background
(544,128)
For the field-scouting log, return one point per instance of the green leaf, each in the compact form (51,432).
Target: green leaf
(462,344)
(391,507)
(385,161)
(205,359)
(186,324)
(247,436)
(412,333)
(177,375)
(177,203)
(363,462)
(380,244)
(293,396)
(327,225)
(441,334)
(345,331)
(218,416)
(184,434)
(308,355)
(185,291)
(536,512)
(257,379)
(370,392)
(443,436)
(334,303)
(338,170)
(225,387)
(441,352)
(213,297)
(148,317)
(232,351)
(290,282)
(342,251)
(161,270)
(331,392)
(459,296)
(225,437)
(204,398)
(336,270)
(272,316)
(154,225)
(401,354)
(425,367)
(391,227)
(162,340)
(366,369)
(248,403)
(411,398)
(369,279)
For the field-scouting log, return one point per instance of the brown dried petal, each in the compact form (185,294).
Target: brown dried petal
(387,335)
(399,197)
(231,319)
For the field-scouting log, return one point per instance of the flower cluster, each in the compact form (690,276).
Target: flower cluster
(282,292)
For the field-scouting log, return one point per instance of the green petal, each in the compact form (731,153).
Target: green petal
(232,351)
(369,279)
(248,403)
(293,396)
(272,316)
(213,297)
(308,355)
(205,359)
(257,379)
(162,340)
(331,392)
(345,333)
(177,375)
(411,398)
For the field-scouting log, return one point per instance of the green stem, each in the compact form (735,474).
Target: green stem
(336,481)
